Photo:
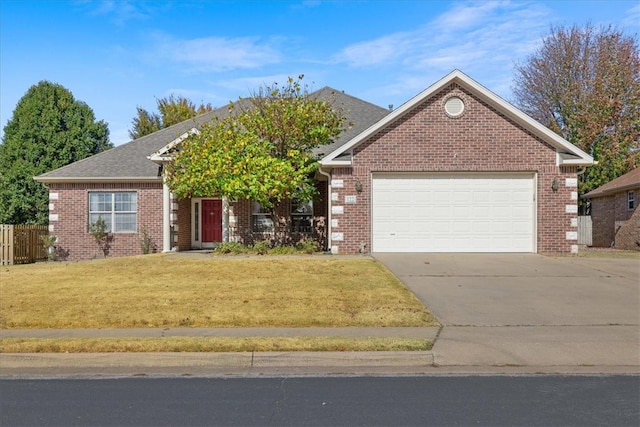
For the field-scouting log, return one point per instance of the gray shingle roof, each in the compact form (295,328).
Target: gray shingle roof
(129,162)
(622,183)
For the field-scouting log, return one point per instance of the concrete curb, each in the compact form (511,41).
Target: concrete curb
(247,364)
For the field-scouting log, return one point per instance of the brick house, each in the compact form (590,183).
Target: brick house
(454,169)
(614,214)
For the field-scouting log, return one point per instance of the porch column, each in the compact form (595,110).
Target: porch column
(225,219)
(166,218)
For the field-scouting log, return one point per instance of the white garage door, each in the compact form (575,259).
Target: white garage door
(453,213)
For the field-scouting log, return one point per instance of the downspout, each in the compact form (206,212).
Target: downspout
(328,175)
(166,217)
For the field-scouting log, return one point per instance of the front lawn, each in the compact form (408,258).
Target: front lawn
(164,290)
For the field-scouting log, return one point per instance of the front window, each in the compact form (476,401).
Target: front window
(301,216)
(260,219)
(631,200)
(118,210)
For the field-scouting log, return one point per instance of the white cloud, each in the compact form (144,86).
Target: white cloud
(460,35)
(466,15)
(121,11)
(378,51)
(483,39)
(632,17)
(212,54)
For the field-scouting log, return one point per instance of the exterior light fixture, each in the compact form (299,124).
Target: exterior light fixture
(358,186)
(554,185)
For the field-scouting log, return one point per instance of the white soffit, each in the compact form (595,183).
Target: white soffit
(161,155)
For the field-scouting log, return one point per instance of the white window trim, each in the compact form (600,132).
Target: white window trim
(112,213)
(631,200)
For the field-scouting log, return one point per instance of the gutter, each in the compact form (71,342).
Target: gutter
(87,180)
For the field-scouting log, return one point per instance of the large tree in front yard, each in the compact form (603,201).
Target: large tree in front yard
(49,129)
(584,83)
(262,151)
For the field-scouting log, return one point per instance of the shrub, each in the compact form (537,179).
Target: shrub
(283,250)
(98,229)
(49,242)
(262,247)
(309,246)
(145,244)
(232,248)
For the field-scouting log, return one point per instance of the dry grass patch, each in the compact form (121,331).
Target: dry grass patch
(218,344)
(172,291)
(607,253)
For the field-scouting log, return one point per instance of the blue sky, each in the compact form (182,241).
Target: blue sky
(116,55)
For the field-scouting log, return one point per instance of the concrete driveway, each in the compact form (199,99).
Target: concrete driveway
(527,309)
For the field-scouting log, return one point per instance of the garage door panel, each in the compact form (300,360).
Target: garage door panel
(453,213)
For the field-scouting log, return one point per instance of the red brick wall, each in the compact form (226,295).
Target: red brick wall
(613,222)
(69,219)
(603,221)
(183,223)
(481,140)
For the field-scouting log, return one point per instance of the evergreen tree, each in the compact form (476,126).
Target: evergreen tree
(49,129)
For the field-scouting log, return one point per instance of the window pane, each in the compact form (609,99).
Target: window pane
(301,216)
(262,223)
(301,223)
(257,208)
(197,221)
(99,202)
(107,220)
(301,207)
(261,220)
(125,202)
(125,222)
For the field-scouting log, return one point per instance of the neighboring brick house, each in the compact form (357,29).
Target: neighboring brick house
(615,216)
(455,169)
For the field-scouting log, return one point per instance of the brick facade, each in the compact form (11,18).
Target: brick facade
(69,219)
(614,224)
(426,139)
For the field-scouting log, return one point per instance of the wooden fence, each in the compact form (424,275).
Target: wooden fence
(22,244)
(584,230)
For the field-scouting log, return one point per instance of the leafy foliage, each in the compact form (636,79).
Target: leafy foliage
(584,83)
(98,230)
(265,247)
(261,152)
(172,110)
(49,129)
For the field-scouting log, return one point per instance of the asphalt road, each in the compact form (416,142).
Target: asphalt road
(324,401)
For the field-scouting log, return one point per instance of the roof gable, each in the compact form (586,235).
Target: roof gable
(567,153)
(622,183)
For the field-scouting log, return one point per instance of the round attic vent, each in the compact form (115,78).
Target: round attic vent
(454,106)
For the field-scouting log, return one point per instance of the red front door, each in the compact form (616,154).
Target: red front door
(211,221)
